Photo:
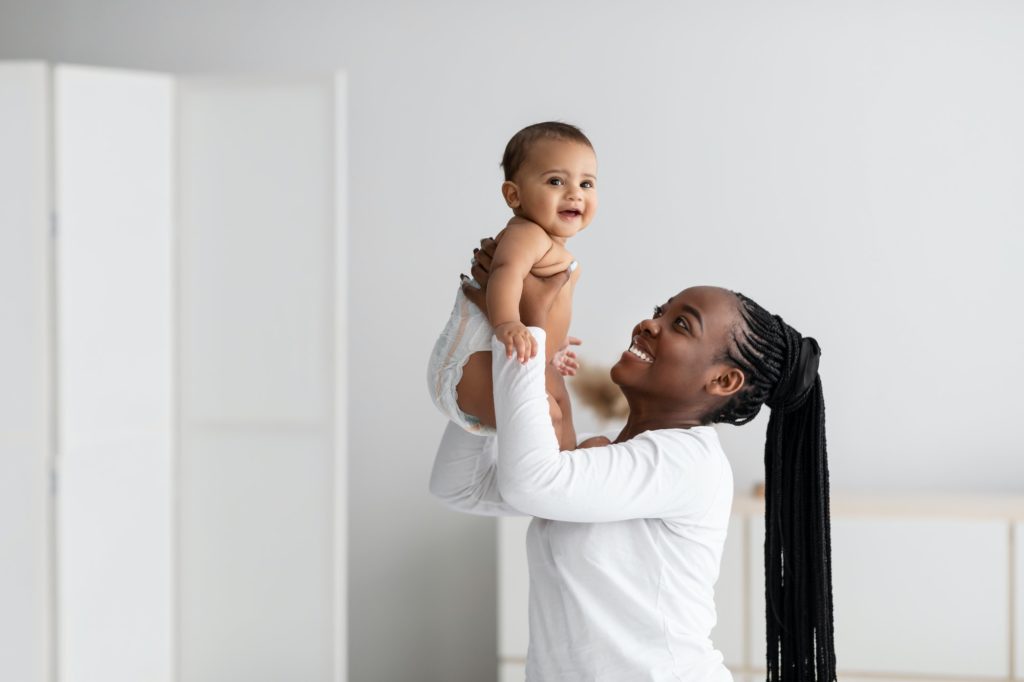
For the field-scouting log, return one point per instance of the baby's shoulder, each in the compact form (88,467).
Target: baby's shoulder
(523,229)
(523,240)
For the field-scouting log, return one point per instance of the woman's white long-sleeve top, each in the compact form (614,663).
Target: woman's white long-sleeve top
(626,543)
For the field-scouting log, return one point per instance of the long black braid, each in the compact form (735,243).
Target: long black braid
(780,368)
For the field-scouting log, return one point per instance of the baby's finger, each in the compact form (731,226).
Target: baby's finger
(573,341)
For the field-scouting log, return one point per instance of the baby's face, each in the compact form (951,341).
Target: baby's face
(558,186)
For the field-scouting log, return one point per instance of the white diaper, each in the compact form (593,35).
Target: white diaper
(468,331)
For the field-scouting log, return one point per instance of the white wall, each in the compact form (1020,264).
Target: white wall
(854,167)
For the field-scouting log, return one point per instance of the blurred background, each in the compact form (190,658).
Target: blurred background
(230,232)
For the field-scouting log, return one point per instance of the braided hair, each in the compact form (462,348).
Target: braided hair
(781,371)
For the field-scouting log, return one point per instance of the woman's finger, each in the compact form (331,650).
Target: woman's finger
(474,294)
(479,274)
(487,246)
(483,258)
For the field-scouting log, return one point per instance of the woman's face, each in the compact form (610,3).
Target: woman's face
(674,355)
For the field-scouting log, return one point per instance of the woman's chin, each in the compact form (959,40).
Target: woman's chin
(619,372)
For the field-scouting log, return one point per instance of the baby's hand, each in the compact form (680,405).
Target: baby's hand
(565,360)
(517,339)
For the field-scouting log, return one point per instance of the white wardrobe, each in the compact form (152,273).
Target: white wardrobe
(172,327)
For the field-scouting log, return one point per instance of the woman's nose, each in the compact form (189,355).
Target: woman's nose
(650,327)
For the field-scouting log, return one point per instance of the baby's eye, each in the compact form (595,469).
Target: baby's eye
(658,311)
(587,184)
(555,181)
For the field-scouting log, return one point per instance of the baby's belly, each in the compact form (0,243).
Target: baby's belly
(559,318)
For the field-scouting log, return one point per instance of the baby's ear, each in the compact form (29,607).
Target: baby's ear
(510,191)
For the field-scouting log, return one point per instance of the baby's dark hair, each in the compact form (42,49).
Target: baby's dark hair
(781,371)
(519,146)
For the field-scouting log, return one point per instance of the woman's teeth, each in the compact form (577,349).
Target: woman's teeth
(640,354)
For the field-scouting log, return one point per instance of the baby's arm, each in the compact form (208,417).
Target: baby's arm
(522,245)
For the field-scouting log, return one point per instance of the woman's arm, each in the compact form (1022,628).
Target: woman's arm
(465,475)
(659,474)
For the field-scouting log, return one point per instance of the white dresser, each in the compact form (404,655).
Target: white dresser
(924,588)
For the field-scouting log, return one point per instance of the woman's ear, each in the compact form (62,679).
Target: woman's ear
(726,381)
(510,191)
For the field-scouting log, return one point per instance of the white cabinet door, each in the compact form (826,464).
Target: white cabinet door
(25,394)
(730,596)
(918,596)
(114,167)
(1018,584)
(513,587)
(258,360)
(512,672)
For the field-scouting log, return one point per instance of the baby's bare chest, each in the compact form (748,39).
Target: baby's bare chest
(556,260)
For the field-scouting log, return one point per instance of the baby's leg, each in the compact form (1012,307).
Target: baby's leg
(476,390)
(560,409)
(476,397)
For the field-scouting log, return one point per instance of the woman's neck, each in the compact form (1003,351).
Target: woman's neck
(637,423)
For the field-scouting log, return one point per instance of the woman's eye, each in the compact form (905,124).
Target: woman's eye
(682,321)
(658,311)
(587,184)
(555,181)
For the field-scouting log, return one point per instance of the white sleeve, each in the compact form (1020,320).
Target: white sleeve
(658,474)
(465,475)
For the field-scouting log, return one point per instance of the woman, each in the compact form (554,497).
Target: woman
(625,546)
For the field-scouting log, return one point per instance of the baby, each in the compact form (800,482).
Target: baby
(550,185)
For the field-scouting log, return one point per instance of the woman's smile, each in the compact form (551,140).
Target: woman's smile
(640,349)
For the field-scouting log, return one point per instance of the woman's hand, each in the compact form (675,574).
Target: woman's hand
(539,293)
